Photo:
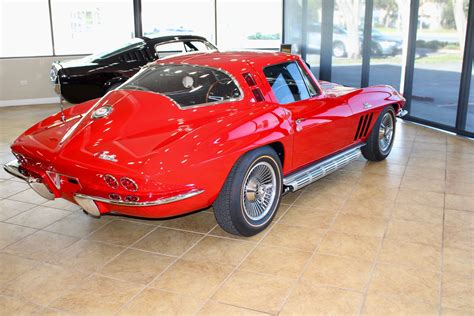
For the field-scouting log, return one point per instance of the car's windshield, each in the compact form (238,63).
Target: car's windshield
(187,85)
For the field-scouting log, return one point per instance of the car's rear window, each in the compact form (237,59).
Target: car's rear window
(187,85)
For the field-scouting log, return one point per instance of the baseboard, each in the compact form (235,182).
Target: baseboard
(18,102)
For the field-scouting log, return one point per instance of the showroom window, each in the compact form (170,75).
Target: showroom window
(249,24)
(18,40)
(347,42)
(470,107)
(439,52)
(171,17)
(80,27)
(313,39)
(389,31)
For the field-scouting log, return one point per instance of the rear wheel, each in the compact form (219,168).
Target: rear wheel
(251,194)
(380,140)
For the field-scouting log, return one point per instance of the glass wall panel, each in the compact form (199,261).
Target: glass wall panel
(348,33)
(294,24)
(389,33)
(89,26)
(174,17)
(305,38)
(249,24)
(439,51)
(313,37)
(24,28)
(470,107)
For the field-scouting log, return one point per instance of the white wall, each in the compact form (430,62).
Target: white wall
(26,80)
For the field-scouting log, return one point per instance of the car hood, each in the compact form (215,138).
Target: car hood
(140,127)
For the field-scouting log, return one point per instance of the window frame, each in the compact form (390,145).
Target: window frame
(307,79)
(234,79)
(183,42)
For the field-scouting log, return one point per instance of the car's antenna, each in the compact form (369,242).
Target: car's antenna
(61,100)
(61,106)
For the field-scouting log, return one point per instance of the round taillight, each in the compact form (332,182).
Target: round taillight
(115,197)
(129,184)
(111,181)
(131,198)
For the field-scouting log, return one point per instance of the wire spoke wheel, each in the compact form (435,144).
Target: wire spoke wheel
(386,132)
(259,191)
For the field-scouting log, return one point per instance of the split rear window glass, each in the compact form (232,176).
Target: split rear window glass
(187,85)
(288,82)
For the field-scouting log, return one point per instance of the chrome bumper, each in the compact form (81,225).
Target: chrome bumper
(161,201)
(87,202)
(57,88)
(13,168)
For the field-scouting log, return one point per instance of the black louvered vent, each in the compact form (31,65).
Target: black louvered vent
(363,127)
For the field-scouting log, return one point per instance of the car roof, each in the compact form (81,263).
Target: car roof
(232,61)
(168,38)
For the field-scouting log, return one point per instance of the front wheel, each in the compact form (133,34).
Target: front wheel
(251,193)
(380,140)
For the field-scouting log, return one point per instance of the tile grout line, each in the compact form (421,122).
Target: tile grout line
(315,251)
(28,209)
(440,306)
(264,234)
(94,273)
(148,285)
(377,255)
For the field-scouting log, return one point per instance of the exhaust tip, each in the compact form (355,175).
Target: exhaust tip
(40,188)
(88,206)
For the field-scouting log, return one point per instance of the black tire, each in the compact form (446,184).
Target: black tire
(374,149)
(232,207)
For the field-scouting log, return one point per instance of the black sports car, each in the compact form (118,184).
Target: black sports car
(92,76)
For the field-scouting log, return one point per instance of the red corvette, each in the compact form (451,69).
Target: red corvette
(231,130)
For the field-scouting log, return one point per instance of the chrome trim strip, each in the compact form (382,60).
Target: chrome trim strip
(162,201)
(12,168)
(187,39)
(402,113)
(321,169)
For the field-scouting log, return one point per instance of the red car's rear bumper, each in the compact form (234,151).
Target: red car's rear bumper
(169,205)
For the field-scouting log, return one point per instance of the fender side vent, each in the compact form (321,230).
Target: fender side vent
(363,126)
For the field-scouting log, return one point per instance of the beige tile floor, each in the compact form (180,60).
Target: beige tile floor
(394,237)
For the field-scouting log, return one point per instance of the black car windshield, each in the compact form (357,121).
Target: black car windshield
(187,85)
